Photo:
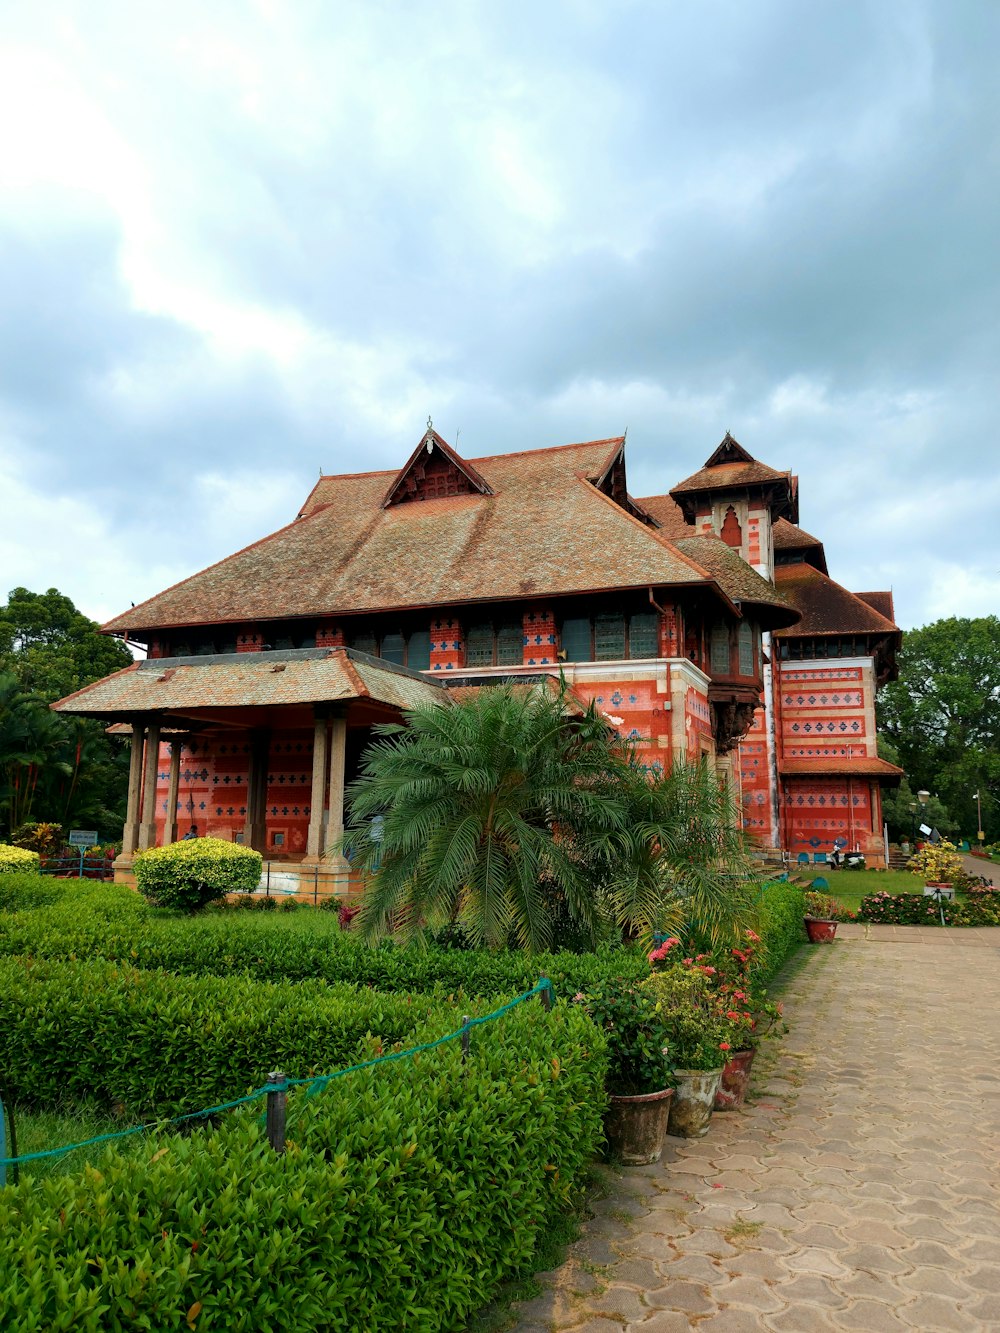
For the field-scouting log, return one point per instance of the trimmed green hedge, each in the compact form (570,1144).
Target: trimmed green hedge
(779,914)
(189,874)
(150,1044)
(112,923)
(408,1194)
(21,892)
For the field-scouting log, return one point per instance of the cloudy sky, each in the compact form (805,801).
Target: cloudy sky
(244,242)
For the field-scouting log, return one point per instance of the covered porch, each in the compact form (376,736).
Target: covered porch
(253,747)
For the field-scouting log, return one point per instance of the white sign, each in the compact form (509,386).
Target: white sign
(925,830)
(83,837)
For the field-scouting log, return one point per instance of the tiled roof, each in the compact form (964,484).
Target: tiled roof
(668,514)
(731,476)
(790,537)
(251,680)
(738,580)
(860,766)
(826,607)
(881,601)
(545,531)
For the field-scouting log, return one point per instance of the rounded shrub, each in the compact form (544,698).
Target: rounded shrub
(17,860)
(187,875)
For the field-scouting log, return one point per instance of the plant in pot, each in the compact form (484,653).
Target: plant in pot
(751,1015)
(820,919)
(638,1080)
(699,1035)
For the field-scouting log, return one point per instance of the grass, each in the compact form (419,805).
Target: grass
(850,886)
(38,1131)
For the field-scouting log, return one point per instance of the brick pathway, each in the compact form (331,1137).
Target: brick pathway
(860,1191)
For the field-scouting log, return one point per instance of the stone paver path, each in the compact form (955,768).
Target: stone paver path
(861,1190)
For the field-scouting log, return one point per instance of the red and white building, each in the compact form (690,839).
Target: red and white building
(702,621)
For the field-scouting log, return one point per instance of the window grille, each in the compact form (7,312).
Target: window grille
(479,646)
(510,645)
(609,638)
(643,636)
(746,649)
(720,650)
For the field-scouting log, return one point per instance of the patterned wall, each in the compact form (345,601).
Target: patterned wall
(755,781)
(697,723)
(638,706)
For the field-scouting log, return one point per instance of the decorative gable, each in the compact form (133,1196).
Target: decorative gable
(729,451)
(434,471)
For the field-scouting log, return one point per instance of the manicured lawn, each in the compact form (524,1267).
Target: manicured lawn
(850,886)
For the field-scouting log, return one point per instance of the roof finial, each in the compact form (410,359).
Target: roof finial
(430,424)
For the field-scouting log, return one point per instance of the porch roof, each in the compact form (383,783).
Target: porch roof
(251,680)
(841,766)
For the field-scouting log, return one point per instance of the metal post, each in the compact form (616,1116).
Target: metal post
(465,1037)
(9,1118)
(267,886)
(546,995)
(276,1103)
(315,886)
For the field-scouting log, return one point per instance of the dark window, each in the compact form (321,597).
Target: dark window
(576,640)
(418,651)
(365,643)
(720,650)
(609,638)
(746,649)
(510,645)
(479,646)
(394,649)
(643,636)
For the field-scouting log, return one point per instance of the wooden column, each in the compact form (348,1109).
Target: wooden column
(170,827)
(255,828)
(317,797)
(147,827)
(338,760)
(130,833)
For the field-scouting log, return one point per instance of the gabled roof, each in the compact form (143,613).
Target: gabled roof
(432,461)
(730,467)
(825,606)
(250,680)
(860,766)
(740,581)
(667,514)
(881,601)
(790,539)
(729,451)
(544,529)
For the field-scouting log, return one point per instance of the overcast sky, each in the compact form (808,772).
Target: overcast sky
(241,243)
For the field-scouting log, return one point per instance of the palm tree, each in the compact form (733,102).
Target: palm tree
(495,810)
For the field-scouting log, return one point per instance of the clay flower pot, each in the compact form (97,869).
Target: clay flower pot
(634,1126)
(820,931)
(694,1100)
(735,1081)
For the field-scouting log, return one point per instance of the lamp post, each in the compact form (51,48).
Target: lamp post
(913,825)
(979,817)
(923,797)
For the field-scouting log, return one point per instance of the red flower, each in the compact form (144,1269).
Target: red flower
(724,1046)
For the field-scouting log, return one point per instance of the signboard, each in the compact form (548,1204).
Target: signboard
(925,830)
(83,837)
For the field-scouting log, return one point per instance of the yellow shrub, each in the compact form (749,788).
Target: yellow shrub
(938,863)
(17,860)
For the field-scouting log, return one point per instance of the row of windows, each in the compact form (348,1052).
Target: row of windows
(722,650)
(848,645)
(610,638)
(409,650)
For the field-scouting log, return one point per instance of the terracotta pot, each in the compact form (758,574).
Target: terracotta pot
(819,930)
(634,1126)
(694,1098)
(735,1081)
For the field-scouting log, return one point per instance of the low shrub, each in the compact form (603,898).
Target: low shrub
(151,1044)
(937,862)
(187,875)
(408,1194)
(779,925)
(17,860)
(44,838)
(980,908)
(112,923)
(23,891)
(827,908)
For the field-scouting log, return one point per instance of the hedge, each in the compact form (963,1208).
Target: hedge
(408,1194)
(17,860)
(21,892)
(189,874)
(149,1044)
(112,923)
(779,914)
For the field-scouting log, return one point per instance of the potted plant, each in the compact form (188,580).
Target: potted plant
(750,1014)
(699,1037)
(638,1081)
(820,918)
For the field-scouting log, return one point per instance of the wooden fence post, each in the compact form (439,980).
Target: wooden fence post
(546,995)
(276,1102)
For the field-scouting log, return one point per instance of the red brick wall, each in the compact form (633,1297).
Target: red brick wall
(540,643)
(447,644)
(250,641)
(637,710)
(755,780)
(329,636)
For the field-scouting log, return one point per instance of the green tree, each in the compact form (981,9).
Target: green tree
(943,715)
(53,767)
(504,810)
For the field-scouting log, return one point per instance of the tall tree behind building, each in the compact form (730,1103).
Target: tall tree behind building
(943,716)
(52,768)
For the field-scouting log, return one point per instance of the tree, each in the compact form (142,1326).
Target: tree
(504,810)
(903,812)
(53,767)
(943,715)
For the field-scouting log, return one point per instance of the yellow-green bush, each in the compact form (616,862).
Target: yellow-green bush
(187,875)
(937,863)
(17,860)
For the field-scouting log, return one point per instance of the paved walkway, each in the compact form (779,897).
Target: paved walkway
(861,1190)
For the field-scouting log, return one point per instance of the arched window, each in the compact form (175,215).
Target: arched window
(732,533)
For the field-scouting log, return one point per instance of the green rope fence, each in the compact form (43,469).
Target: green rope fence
(316,1083)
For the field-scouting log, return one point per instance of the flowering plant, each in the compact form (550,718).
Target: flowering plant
(637,1037)
(700,1033)
(827,908)
(937,863)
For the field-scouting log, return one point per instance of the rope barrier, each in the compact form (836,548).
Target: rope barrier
(317,1082)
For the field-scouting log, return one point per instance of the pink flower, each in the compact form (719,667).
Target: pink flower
(578,997)
(724,1046)
(753,937)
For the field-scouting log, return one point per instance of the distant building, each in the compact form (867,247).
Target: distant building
(701,622)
